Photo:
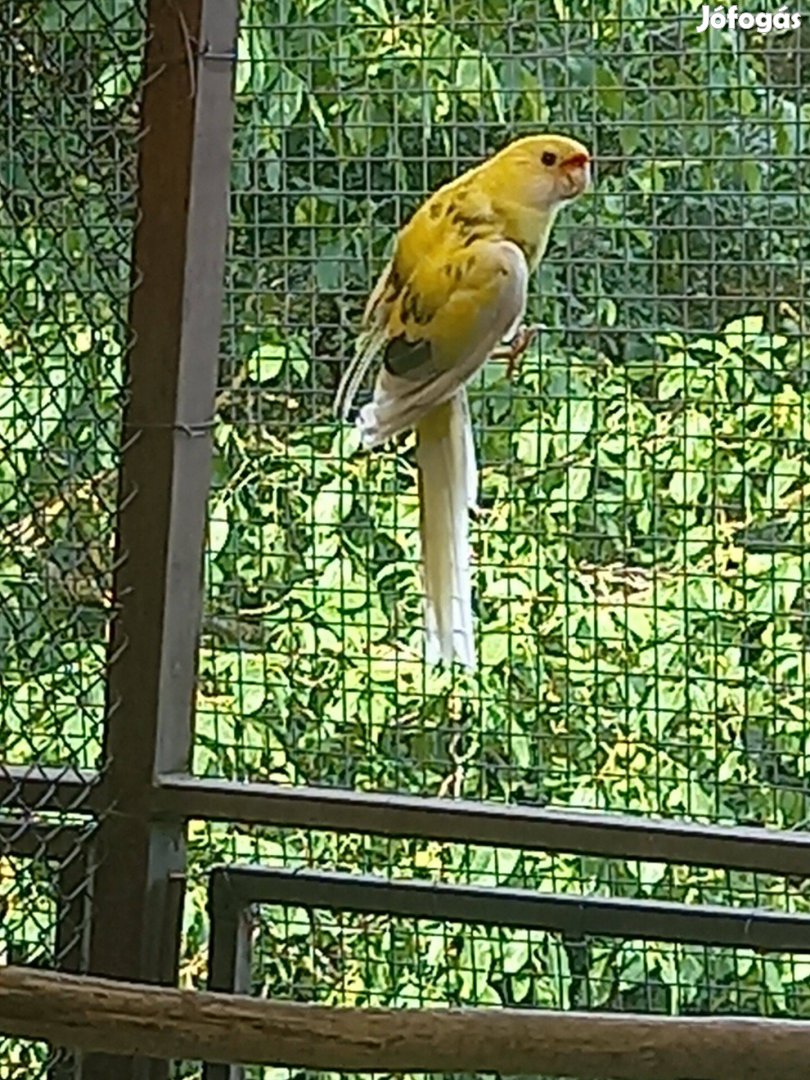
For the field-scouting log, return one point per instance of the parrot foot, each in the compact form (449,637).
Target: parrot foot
(516,348)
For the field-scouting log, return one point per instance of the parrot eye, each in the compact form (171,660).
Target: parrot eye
(549,158)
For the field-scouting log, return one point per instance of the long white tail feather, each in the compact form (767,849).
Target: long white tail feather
(369,348)
(445,471)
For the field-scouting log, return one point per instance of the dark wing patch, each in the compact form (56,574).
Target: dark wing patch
(404,358)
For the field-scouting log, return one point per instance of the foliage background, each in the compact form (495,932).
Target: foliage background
(641,554)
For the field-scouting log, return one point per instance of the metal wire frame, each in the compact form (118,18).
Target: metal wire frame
(69,847)
(315,208)
(164,479)
(233,888)
(235,893)
(67,211)
(185,796)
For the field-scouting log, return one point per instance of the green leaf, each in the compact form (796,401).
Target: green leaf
(609,90)
(629,138)
(285,98)
(265,362)
(751,174)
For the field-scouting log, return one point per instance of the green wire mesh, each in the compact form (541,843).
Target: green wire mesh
(640,565)
(380,961)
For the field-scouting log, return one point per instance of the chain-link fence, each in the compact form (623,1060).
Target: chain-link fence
(639,555)
(68,190)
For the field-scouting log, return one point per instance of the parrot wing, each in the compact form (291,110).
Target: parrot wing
(370,344)
(440,328)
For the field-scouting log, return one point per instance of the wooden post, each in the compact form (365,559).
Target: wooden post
(175,320)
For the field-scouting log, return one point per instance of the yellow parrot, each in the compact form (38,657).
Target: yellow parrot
(454,289)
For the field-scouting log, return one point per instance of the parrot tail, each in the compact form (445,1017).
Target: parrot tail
(447,489)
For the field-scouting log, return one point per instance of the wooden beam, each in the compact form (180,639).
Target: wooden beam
(92,1014)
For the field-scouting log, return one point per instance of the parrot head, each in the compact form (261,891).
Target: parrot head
(551,169)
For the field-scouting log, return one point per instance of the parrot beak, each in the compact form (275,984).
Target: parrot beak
(576,171)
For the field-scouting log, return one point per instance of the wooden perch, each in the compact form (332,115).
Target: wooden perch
(91,1014)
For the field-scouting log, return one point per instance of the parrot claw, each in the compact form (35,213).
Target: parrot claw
(516,348)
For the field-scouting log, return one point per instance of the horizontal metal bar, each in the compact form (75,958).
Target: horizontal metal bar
(574,916)
(50,788)
(610,835)
(540,828)
(32,837)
